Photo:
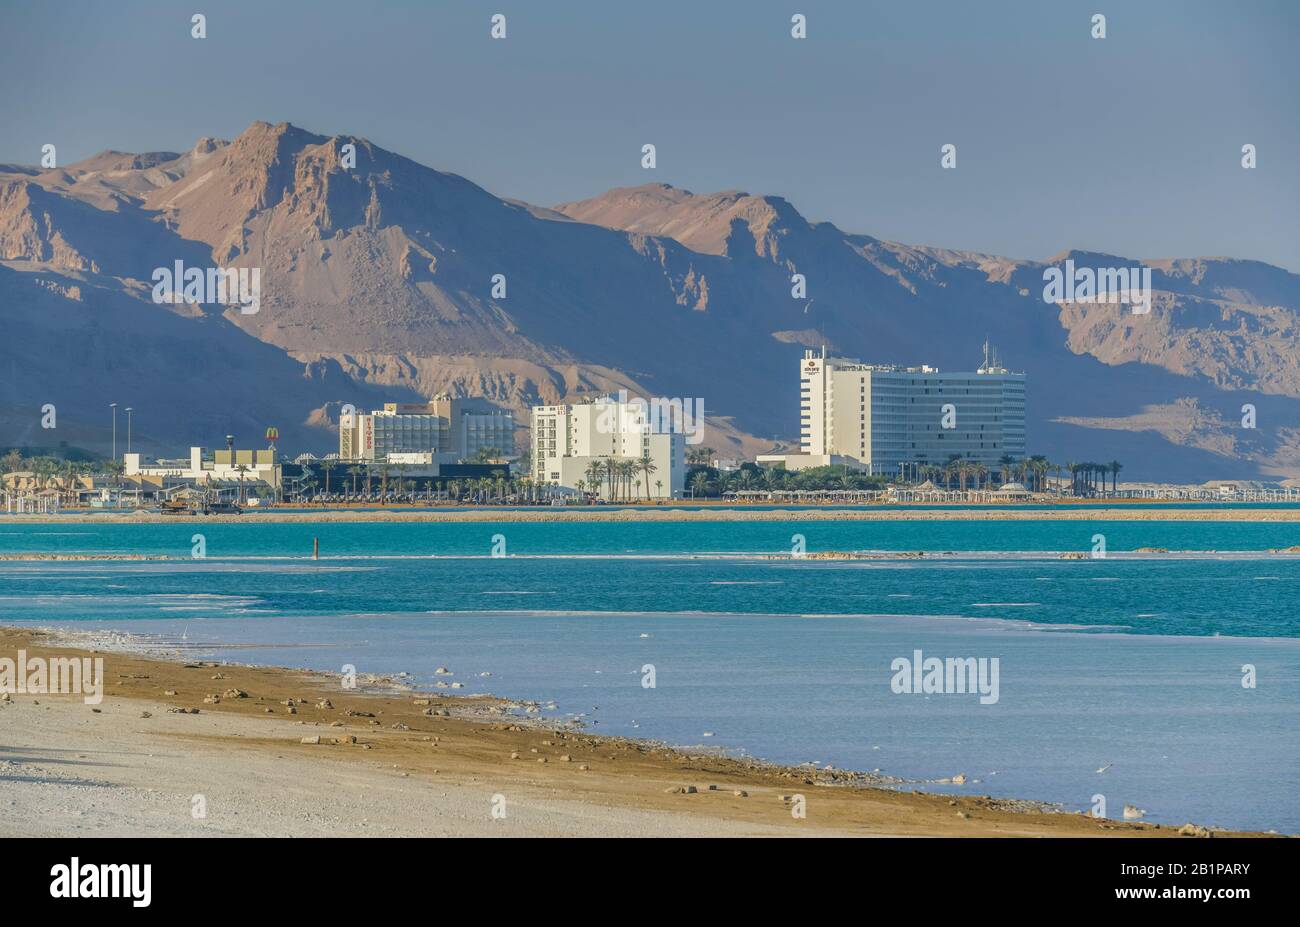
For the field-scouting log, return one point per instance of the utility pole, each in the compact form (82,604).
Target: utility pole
(113,406)
(129,410)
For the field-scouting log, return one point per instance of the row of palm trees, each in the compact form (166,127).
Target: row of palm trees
(708,482)
(328,465)
(619,476)
(1087,478)
(55,473)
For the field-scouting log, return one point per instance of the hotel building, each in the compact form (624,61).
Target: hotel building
(567,439)
(439,427)
(886,416)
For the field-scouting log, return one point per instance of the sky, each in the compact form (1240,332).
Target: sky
(1127,145)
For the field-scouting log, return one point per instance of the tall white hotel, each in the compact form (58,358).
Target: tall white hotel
(885,416)
(567,439)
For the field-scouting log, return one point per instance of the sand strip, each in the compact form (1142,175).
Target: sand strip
(389,762)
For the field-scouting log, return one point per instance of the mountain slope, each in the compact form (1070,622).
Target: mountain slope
(1222,333)
(378,283)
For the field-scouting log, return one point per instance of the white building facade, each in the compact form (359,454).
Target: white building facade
(568,439)
(222,466)
(887,416)
(440,427)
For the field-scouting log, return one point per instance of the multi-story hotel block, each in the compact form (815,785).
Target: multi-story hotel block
(885,416)
(439,427)
(567,439)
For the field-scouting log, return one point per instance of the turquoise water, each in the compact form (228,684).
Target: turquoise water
(1134,662)
(250,538)
(711,567)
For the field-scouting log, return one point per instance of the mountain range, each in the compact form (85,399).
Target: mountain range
(377,284)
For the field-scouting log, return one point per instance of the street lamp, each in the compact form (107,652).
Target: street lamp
(113,406)
(129,410)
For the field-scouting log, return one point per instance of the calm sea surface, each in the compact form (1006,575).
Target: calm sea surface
(1136,662)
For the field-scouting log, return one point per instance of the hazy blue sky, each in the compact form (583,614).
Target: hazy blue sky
(1129,144)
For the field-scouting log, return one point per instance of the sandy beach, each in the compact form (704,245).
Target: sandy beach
(379,760)
(666,514)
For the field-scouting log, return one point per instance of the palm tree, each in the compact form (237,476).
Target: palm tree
(1005,463)
(1039,466)
(647,467)
(610,467)
(241,469)
(659,488)
(699,456)
(594,472)
(1073,467)
(627,473)
(700,483)
(962,469)
(355,472)
(953,468)
(1115,467)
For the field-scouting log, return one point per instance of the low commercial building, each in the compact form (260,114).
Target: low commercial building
(231,465)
